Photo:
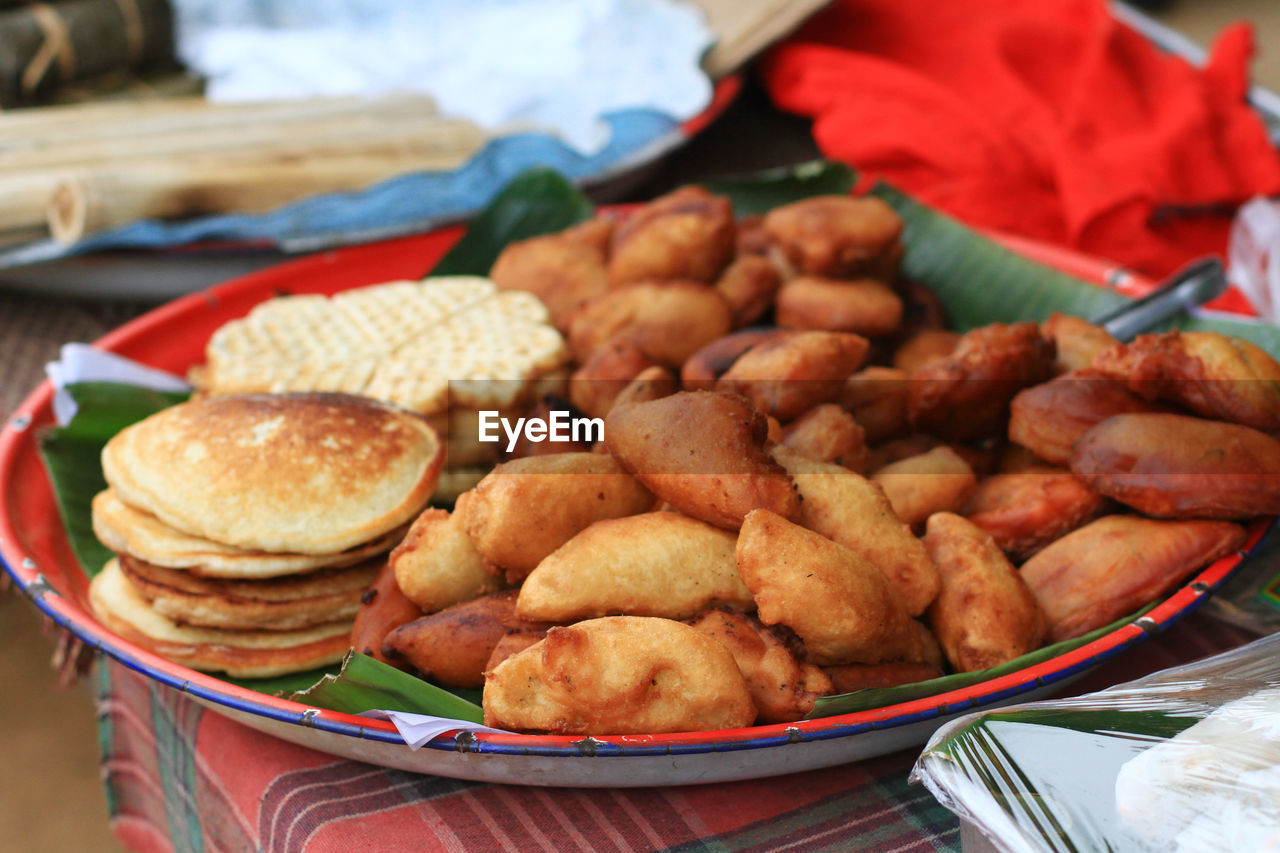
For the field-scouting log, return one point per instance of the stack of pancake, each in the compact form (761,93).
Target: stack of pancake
(443,347)
(247,527)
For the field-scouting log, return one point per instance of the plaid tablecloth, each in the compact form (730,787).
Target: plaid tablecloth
(180,777)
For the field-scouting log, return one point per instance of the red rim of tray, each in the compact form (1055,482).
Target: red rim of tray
(34,549)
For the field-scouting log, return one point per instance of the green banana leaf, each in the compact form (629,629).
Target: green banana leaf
(367,684)
(981,282)
(73,455)
(761,192)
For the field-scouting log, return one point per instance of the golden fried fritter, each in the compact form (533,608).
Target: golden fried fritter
(655,564)
(1175,466)
(525,509)
(1093,576)
(652,383)
(1048,418)
(436,565)
(749,285)
(708,364)
(919,486)
(565,270)
(597,383)
(382,608)
(1214,375)
(686,234)
(854,512)
(782,687)
(984,615)
(852,677)
(877,399)
(838,236)
(966,394)
(453,646)
(787,376)
(828,433)
(702,452)
(669,320)
(1076,341)
(842,607)
(864,306)
(924,346)
(619,675)
(1027,509)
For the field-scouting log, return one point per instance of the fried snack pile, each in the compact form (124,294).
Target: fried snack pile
(808,484)
(247,527)
(848,496)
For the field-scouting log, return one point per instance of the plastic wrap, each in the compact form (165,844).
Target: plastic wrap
(1185,760)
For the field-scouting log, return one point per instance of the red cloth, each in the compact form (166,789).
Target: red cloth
(1048,119)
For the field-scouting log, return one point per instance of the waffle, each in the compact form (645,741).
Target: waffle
(424,346)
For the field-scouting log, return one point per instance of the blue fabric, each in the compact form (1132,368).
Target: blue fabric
(401,205)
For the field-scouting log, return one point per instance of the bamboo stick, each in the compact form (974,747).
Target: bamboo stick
(268,138)
(94,200)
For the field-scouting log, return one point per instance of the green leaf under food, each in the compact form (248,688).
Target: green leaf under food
(366,684)
(982,282)
(73,456)
(862,700)
(760,192)
(537,201)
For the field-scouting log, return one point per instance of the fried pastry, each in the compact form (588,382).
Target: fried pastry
(1048,418)
(782,687)
(652,383)
(1214,375)
(619,675)
(842,607)
(1076,341)
(686,234)
(984,614)
(1025,510)
(828,433)
(923,347)
(919,486)
(525,509)
(877,399)
(854,512)
(703,453)
(436,565)
(749,286)
(564,270)
(655,564)
(598,382)
(864,306)
(669,320)
(1175,466)
(852,677)
(786,376)
(453,645)
(1093,576)
(966,394)
(838,236)
(711,362)
(383,607)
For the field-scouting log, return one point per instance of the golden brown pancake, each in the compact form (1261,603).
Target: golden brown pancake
(296,601)
(242,654)
(302,473)
(127,530)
